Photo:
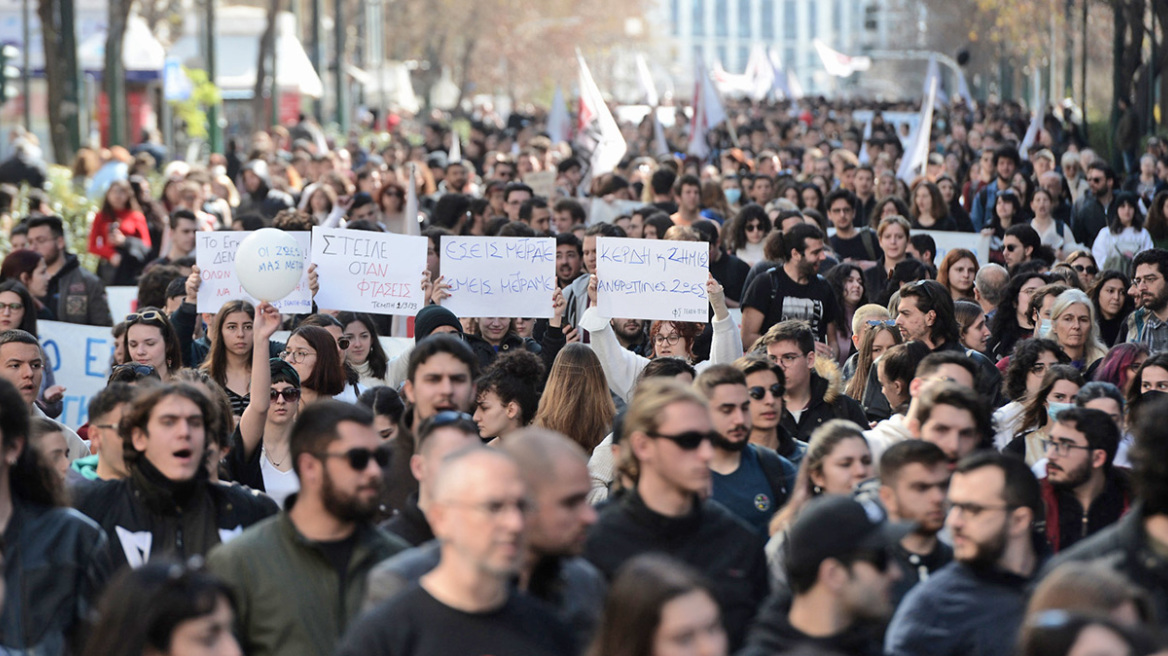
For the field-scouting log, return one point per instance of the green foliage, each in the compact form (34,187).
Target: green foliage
(193,111)
(74,208)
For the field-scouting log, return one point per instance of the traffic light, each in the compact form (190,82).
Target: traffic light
(8,73)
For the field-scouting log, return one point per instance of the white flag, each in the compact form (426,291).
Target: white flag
(411,211)
(917,153)
(839,64)
(934,71)
(559,125)
(651,97)
(707,112)
(1035,127)
(660,145)
(596,130)
(455,149)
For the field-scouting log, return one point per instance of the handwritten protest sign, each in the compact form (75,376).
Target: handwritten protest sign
(500,276)
(215,255)
(652,279)
(80,359)
(372,272)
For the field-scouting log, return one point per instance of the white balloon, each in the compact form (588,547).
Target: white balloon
(269,264)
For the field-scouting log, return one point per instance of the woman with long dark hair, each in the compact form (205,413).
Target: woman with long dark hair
(746,233)
(658,606)
(1117,244)
(1112,304)
(120,236)
(164,609)
(365,354)
(1012,321)
(1057,392)
(228,362)
(151,340)
(508,394)
(847,283)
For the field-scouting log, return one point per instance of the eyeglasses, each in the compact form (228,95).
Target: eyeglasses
(891,323)
(759,393)
(787,359)
(148,315)
(140,370)
(295,357)
(359,457)
(290,394)
(1062,447)
(1096,179)
(1040,367)
(689,440)
(11,307)
(1090,270)
(972,510)
(670,339)
(1148,280)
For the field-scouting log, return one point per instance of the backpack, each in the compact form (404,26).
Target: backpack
(1118,261)
(772,469)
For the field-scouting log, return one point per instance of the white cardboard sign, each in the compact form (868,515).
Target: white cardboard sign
(374,272)
(500,276)
(215,255)
(652,279)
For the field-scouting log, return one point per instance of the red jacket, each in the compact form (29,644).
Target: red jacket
(132,224)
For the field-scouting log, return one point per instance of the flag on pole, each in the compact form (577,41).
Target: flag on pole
(917,153)
(455,149)
(934,71)
(660,145)
(839,64)
(707,112)
(411,211)
(596,130)
(1035,128)
(651,97)
(559,124)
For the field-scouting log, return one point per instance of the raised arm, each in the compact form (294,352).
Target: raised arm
(621,366)
(251,424)
(726,344)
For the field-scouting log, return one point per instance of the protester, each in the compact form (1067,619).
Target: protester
(323,541)
(74,294)
(913,481)
(975,604)
(167,508)
(508,395)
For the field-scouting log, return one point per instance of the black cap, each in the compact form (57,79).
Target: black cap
(431,317)
(837,526)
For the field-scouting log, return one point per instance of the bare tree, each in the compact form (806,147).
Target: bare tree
(267,48)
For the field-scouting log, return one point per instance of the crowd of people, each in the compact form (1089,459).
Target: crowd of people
(869,447)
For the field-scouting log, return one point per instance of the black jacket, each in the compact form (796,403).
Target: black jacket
(710,539)
(988,384)
(959,611)
(772,633)
(1124,547)
(827,402)
(55,563)
(77,296)
(148,516)
(410,524)
(487,353)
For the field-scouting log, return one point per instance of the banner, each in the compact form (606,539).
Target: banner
(215,255)
(374,272)
(947,241)
(123,300)
(80,358)
(500,276)
(652,279)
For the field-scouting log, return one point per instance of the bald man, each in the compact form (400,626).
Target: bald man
(466,604)
(555,470)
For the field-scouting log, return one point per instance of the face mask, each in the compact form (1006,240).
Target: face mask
(1043,328)
(732,195)
(1053,409)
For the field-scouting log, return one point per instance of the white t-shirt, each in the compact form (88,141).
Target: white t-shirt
(277,484)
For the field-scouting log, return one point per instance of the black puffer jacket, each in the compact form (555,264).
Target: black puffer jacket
(148,516)
(827,402)
(772,633)
(55,563)
(511,342)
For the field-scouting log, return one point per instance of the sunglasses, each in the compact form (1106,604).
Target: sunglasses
(148,315)
(1085,269)
(758,393)
(1010,248)
(447,417)
(891,323)
(689,440)
(343,343)
(138,369)
(290,394)
(359,457)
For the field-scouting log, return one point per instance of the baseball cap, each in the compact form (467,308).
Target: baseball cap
(836,526)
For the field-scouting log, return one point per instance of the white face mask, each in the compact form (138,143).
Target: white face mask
(1043,328)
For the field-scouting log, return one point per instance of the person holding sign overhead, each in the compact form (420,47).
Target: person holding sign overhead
(670,339)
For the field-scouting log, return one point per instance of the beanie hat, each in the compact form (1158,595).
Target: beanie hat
(431,317)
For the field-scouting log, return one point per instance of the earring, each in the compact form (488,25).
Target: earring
(816,490)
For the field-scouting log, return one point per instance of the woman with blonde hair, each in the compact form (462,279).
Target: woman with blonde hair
(838,459)
(1073,327)
(576,400)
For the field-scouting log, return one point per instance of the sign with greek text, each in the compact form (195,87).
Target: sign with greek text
(374,272)
(79,357)
(652,279)
(215,255)
(500,276)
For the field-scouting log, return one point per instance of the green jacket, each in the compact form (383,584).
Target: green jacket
(290,599)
